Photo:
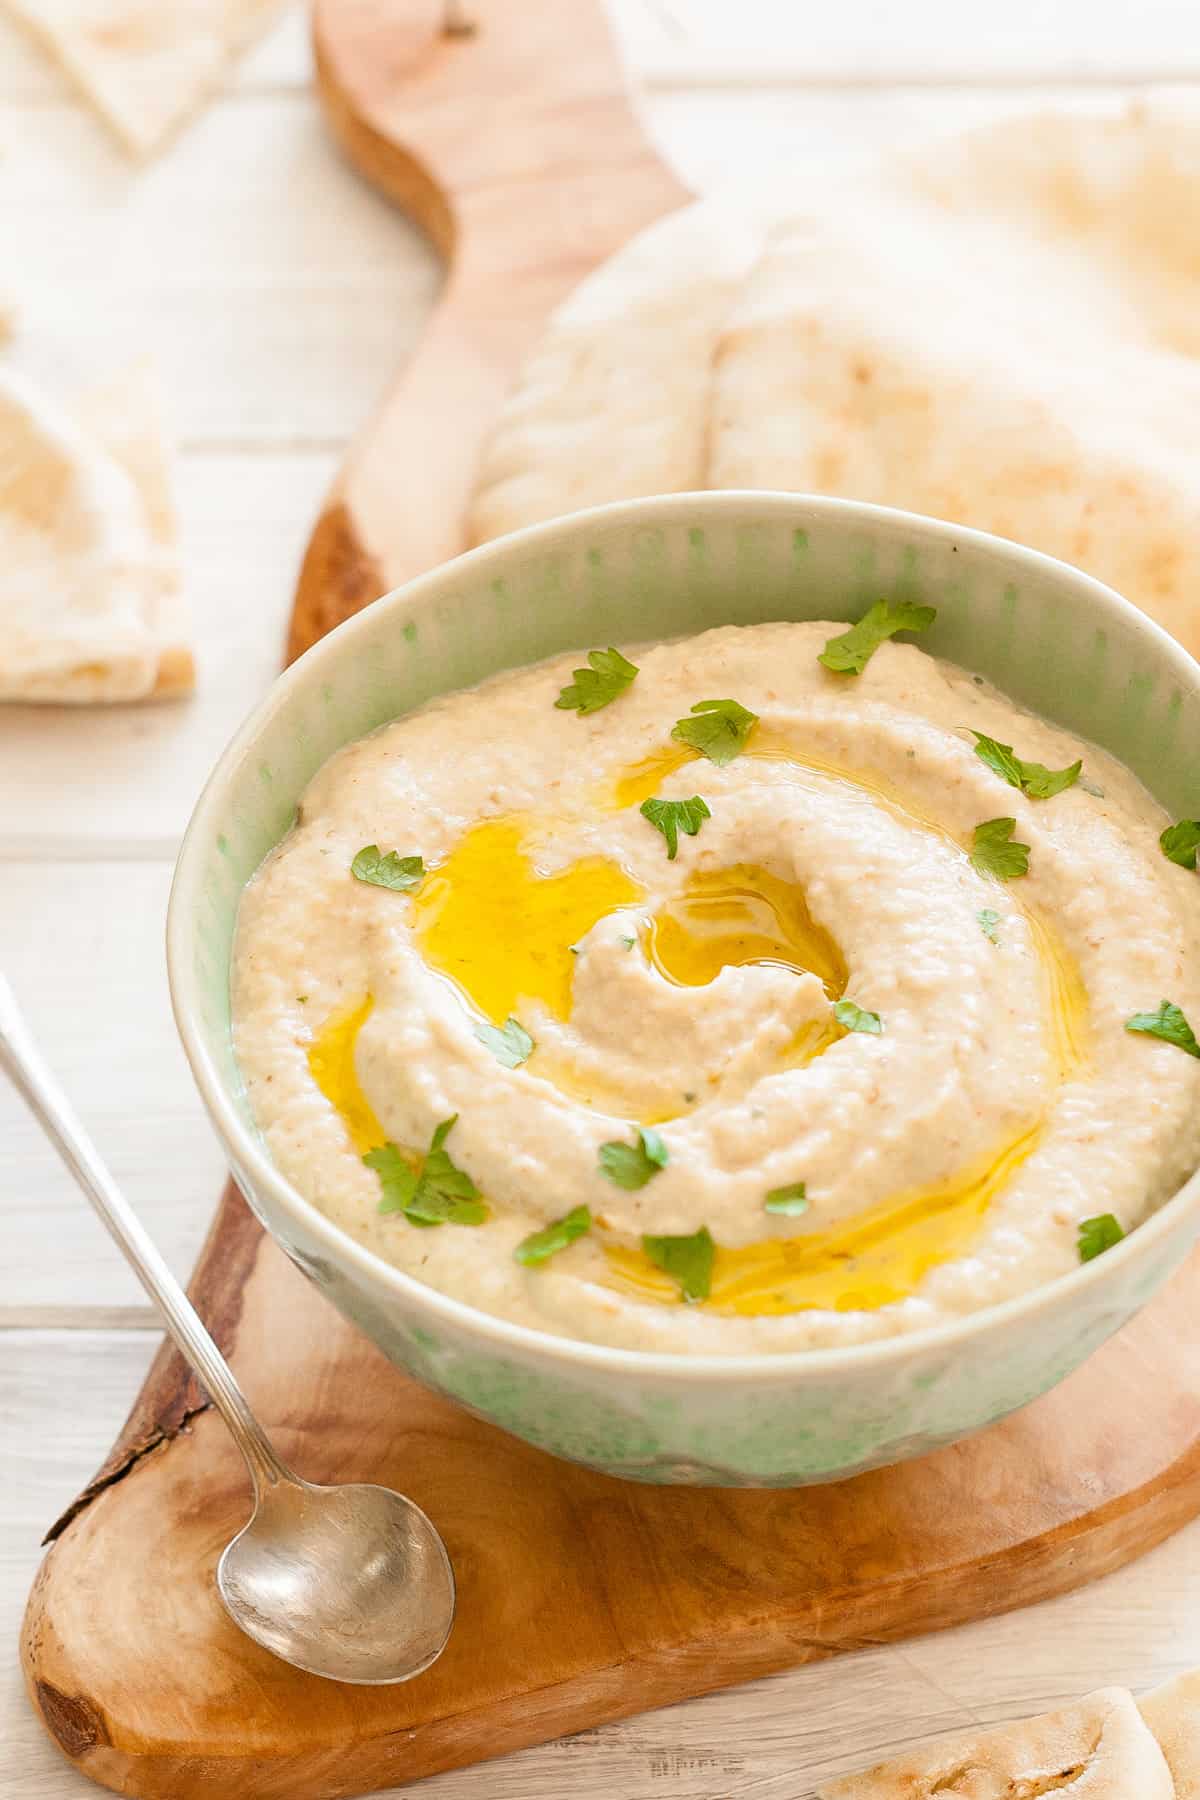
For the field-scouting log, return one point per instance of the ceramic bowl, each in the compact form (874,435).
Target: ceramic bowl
(1049,636)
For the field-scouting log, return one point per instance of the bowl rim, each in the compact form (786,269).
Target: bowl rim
(680,1366)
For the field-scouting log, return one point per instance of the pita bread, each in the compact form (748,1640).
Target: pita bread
(614,401)
(145,64)
(1097,1749)
(1002,329)
(90,602)
(1173,1714)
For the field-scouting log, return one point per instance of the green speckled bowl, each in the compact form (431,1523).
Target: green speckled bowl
(1044,633)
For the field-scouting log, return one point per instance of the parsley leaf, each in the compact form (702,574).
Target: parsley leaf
(854,1018)
(988,921)
(1167,1023)
(1179,842)
(1098,1235)
(630,1166)
(687,1260)
(720,732)
(1033,778)
(437,1193)
(390,871)
(673,816)
(790,1201)
(509,1043)
(1041,783)
(609,675)
(994,854)
(396,1175)
(539,1246)
(850,653)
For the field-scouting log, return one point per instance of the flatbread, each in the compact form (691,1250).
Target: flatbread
(614,401)
(1098,1749)
(145,64)
(1001,329)
(1173,1714)
(90,599)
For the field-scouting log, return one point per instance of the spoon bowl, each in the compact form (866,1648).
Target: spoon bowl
(349,1582)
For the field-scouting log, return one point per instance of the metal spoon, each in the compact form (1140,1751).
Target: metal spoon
(349,1582)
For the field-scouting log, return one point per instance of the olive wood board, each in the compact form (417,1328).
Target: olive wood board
(581,1598)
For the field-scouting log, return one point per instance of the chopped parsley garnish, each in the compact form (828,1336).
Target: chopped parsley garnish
(607,678)
(1098,1235)
(539,1246)
(1179,842)
(995,852)
(855,1018)
(1033,778)
(850,653)
(789,1201)
(509,1043)
(628,942)
(1169,1024)
(988,922)
(436,1193)
(718,729)
(687,1260)
(673,816)
(388,871)
(631,1165)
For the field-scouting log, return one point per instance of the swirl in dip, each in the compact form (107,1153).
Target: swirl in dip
(842,1067)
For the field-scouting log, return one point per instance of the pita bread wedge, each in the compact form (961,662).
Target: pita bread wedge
(1097,1749)
(90,603)
(1173,1714)
(145,64)
(614,401)
(1004,333)
(1001,329)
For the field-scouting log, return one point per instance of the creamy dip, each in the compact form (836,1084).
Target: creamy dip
(890,1081)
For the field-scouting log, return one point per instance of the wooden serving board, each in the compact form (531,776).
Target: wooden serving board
(581,1598)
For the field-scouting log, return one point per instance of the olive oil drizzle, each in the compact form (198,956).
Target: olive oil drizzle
(501,929)
(726,918)
(331,1064)
(875,1259)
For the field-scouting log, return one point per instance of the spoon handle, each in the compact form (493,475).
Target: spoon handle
(22,1061)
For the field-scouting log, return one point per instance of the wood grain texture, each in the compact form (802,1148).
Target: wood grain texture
(582,1599)
(517,151)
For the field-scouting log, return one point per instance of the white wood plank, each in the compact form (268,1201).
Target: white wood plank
(279,291)
(793,138)
(691,41)
(773,1740)
(62,1401)
(281,59)
(92,982)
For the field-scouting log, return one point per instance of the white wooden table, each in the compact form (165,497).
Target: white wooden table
(279,292)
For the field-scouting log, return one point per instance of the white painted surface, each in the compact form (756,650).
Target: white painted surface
(279,292)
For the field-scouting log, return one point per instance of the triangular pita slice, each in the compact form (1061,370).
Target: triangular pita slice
(1173,1714)
(90,604)
(1097,1749)
(145,64)
(1002,331)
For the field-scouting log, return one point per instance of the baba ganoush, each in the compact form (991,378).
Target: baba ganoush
(776,988)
